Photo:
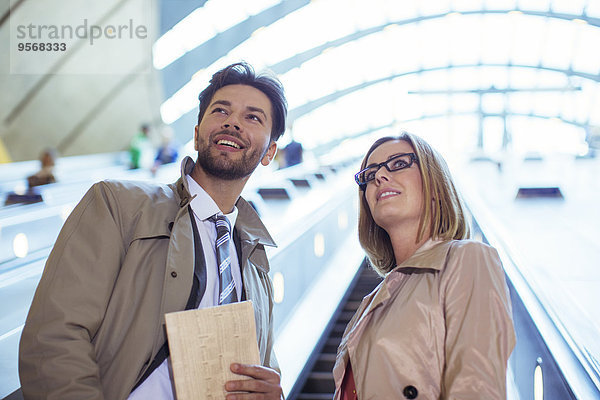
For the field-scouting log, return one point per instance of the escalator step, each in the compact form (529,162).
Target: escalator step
(325,362)
(319,382)
(352,305)
(338,330)
(315,396)
(345,316)
(331,345)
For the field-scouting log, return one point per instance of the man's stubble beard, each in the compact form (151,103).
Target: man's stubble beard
(227,169)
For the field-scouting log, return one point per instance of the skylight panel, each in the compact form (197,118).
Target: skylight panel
(586,53)
(546,103)
(235,13)
(464,38)
(365,13)
(495,38)
(203,24)
(435,7)
(527,38)
(373,57)
(404,46)
(323,75)
(588,100)
(402,10)
(281,40)
(348,114)
(454,136)
(569,105)
(467,5)
(463,102)
(497,77)
(557,49)
(493,103)
(324,21)
(459,135)
(408,107)
(545,78)
(592,8)
(432,80)
(520,102)
(463,78)
(184,100)
(543,135)
(404,84)
(434,42)
(378,60)
(319,75)
(533,5)
(494,131)
(436,104)
(522,78)
(296,89)
(500,4)
(568,6)
(592,106)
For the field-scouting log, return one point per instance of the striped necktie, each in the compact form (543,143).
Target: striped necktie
(227,293)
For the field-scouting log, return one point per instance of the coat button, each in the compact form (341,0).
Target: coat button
(174,274)
(410,392)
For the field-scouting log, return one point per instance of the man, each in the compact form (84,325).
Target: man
(131,252)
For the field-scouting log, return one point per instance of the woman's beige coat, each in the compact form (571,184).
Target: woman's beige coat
(123,259)
(439,326)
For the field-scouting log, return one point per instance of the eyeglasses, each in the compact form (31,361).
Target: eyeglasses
(396,163)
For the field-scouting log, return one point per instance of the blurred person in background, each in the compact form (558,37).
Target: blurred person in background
(139,145)
(43,177)
(293,153)
(46,173)
(167,151)
(439,325)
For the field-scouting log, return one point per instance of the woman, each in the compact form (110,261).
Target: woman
(439,325)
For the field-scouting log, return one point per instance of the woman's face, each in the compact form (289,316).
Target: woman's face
(394,197)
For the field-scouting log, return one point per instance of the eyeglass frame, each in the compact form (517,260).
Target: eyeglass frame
(362,186)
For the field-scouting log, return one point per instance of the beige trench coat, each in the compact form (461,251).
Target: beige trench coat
(123,259)
(439,326)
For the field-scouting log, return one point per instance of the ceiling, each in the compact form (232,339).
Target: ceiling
(481,75)
(89,98)
(468,75)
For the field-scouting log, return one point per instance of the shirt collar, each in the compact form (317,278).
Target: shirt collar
(203,205)
(250,227)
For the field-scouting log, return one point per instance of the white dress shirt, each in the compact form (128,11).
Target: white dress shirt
(159,384)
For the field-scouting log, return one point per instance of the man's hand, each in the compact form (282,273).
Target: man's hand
(264,383)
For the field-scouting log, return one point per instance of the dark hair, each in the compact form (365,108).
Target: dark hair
(242,73)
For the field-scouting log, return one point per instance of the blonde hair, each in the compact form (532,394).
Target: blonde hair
(444,217)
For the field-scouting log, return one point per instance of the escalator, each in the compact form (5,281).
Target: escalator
(316,380)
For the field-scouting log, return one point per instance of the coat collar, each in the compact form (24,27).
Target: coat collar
(183,190)
(248,224)
(431,255)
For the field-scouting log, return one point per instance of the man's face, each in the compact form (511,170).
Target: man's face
(234,134)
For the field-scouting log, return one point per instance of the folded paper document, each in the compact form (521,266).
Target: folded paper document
(203,344)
